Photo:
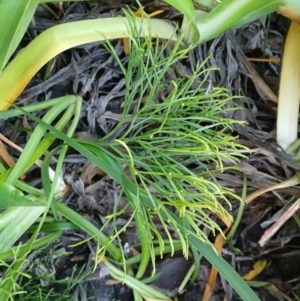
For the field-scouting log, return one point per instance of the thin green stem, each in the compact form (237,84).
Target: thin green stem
(85,225)
(240,212)
(14,251)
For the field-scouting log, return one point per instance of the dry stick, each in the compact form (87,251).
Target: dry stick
(9,160)
(6,156)
(274,228)
(269,60)
(11,164)
(7,141)
(38,162)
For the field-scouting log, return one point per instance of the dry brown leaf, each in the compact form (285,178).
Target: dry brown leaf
(5,155)
(250,170)
(290,182)
(226,218)
(88,172)
(258,267)
(269,60)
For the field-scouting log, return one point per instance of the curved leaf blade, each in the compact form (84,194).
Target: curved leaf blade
(189,27)
(186,7)
(14,20)
(14,230)
(12,197)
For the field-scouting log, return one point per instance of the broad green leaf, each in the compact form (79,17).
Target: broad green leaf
(14,230)
(8,215)
(186,7)
(15,16)
(146,291)
(54,226)
(12,197)
(34,107)
(10,236)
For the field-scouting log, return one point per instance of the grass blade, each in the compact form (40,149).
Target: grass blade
(18,226)
(117,173)
(65,36)
(14,20)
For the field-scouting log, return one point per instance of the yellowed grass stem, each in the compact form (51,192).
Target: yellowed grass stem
(55,40)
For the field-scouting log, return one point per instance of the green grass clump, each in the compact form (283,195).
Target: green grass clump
(163,150)
(172,136)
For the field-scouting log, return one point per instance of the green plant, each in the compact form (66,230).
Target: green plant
(40,287)
(183,128)
(24,209)
(197,27)
(297,297)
